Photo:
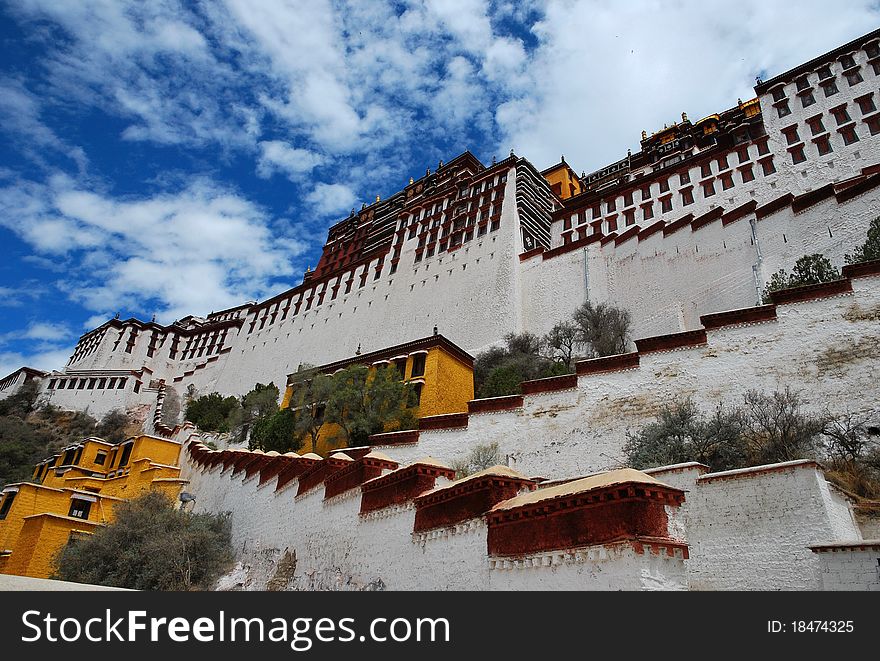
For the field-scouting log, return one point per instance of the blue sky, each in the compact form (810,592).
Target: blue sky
(172,158)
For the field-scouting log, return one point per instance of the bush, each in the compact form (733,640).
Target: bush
(212,412)
(276,431)
(682,433)
(113,426)
(776,428)
(150,546)
(23,402)
(604,329)
(766,429)
(808,270)
(21,447)
(500,371)
(480,458)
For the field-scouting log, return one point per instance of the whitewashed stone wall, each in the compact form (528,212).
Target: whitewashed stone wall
(335,548)
(606,567)
(825,349)
(853,567)
(667,283)
(751,529)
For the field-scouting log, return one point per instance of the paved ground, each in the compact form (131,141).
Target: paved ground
(23,583)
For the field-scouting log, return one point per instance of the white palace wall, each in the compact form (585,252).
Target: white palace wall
(752,529)
(667,282)
(825,349)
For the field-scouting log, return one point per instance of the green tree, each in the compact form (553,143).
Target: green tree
(870,249)
(258,404)
(364,402)
(212,412)
(21,447)
(276,431)
(150,545)
(500,370)
(23,402)
(604,329)
(808,270)
(310,399)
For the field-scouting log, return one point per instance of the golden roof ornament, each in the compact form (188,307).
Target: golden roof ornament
(378,198)
(644,135)
(684,117)
(411,180)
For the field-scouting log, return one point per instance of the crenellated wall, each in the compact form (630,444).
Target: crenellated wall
(413,529)
(671,528)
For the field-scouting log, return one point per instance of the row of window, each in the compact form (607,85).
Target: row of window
(93,383)
(714,172)
(826,80)
(821,136)
(458,239)
(86,347)
(722,168)
(686,195)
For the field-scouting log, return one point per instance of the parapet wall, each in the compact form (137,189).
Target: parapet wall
(821,341)
(752,529)
(411,528)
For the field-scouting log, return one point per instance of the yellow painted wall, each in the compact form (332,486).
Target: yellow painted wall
(37,524)
(448,387)
(41,538)
(449,384)
(563,180)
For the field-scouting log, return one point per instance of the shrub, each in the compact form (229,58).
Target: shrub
(604,329)
(479,458)
(766,429)
(682,433)
(151,545)
(500,370)
(277,432)
(212,412)
(113,426)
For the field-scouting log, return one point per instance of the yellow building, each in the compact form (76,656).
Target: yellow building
(563,180)
(74,492)
(441,372)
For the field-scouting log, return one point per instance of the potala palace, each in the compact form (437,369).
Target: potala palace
(684,234)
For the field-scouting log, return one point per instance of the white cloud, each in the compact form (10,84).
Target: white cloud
(201,248)
(38,331)
(328,199)
(47,359)
(278,156)
(603,72)
(47,331)
(20,119)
